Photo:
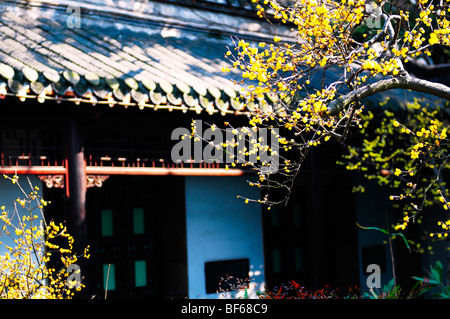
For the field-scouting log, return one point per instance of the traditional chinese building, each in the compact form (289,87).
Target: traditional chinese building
(91,92)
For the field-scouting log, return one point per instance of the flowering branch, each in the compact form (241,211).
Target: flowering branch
(407,82)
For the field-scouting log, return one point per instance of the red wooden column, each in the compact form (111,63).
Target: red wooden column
(76,191)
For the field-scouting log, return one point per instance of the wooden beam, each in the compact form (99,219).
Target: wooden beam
(108,170)
(104,170)
(33,170)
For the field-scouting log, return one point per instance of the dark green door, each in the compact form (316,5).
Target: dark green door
(128,225)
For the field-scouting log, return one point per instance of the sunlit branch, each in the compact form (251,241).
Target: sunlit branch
(407,82)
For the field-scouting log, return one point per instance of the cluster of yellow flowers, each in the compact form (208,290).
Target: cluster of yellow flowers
(413,165)
(316,37)
(445,230)
(27,241)
(429,138)
(406,220)
(324,37)
(321,35)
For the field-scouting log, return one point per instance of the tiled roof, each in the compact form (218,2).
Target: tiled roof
(115,59)
(115,62)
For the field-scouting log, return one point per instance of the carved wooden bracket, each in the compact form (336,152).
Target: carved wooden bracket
(52,181)
(57,181)
(96,180)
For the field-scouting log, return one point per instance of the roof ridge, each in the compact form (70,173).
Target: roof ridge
(145,20)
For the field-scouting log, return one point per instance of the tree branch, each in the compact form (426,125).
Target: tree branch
(407,82)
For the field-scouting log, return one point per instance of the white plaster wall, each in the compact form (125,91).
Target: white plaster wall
(220,226)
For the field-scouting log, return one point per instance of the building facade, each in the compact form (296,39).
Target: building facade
(98,88)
